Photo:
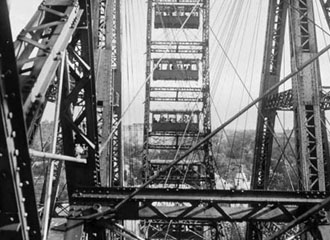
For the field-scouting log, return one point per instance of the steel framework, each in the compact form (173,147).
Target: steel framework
(84,37)
(304,99)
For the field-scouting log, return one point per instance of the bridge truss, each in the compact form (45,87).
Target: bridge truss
(69,54)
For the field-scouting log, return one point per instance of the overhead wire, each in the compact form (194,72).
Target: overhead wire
(243,22)
(252,49)
(323,33)
(231,21)
(286,138)
(228,30)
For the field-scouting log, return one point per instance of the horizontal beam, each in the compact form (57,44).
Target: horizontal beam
(175,89)
(175,134)
(176,50)
(178,1)
(176,99)
(198,205)
(167,161)
(170,147)
(284,101)
(111,195)
(177,43)
(54,156)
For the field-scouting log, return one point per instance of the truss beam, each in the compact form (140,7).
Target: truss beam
(200,196)
(283,101)
(220,205)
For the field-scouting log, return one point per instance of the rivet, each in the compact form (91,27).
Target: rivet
(13,134)
(16,152)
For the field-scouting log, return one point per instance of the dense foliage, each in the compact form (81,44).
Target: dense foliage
(233,152)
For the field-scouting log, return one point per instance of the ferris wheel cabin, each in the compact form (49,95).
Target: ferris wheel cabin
(173,121)
(176,16)
(176,69)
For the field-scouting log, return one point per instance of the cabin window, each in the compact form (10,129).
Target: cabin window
(177,65)
(175,118)
(176,69)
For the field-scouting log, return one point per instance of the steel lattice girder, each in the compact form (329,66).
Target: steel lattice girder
(283,101)
(187,204)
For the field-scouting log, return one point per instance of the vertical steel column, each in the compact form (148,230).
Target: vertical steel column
(104,83)
(306,88)
(18,216)
(146,128)
(208,156)
(277,13)
(116,166)
(273,52)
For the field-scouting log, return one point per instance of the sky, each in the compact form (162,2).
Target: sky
(237,36)
(20,13)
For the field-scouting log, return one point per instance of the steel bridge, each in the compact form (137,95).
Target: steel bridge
(69,53)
